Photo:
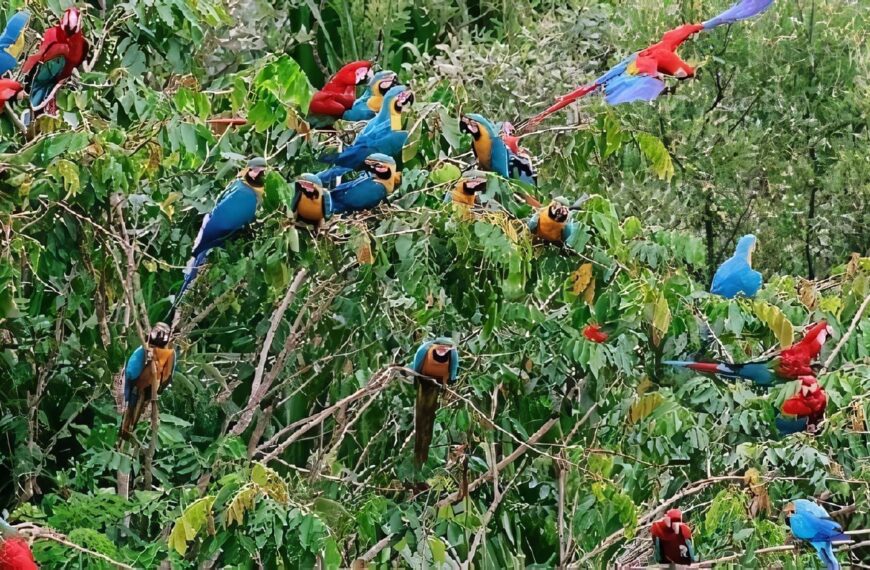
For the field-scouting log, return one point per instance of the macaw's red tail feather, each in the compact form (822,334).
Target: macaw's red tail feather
(706,367)
(424,420)
(561,103)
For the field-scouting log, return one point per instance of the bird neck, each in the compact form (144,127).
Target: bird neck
(395,120)
(374,102)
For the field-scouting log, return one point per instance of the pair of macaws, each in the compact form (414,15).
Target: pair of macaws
(551,223)
(672,539)
(735,276)
(314,204)
(639,77)
(498,150)
(438,360)
(805,409)
(338,100)
(62,50)
(786,365)
(810,522)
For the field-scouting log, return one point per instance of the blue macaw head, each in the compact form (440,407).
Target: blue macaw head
(398,99)
(559,209)
(380,166)
(746,246)
(473,123)
(383,81)
(309,185)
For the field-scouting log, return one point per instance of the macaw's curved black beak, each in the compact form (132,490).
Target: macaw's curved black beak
(387,84)
(404,99)
(308,189)
(469,126)
(473,184)
(559,212)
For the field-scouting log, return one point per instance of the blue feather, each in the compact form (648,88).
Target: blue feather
(420,357)
(533,223)
(627,88)
(454,365)
(739,11)
(362,193)
(736,276)
(811,523)
(134,368)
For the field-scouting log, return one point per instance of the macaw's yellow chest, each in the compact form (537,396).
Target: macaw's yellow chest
(438,370)
(310,210)
(483,149)
(548,228)
(160,366)
(374,103)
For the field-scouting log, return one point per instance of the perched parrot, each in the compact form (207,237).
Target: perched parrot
(370,189)
(438,359)
(805,410)
(369,103)
(12,41)
(312,203)
(235,208)
(788,364)
(337,96)
(383,135)
(10,90)
(639,76)
(465,191)
(736,275)
(672,539)
(157,359)
(810,522)
(551,222)
(520,165)
(63,49)
(488,147)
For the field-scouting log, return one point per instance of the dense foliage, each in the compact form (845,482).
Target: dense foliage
(285,437)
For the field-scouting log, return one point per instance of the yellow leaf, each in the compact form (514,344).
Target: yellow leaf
(661,318)
(580,278)
(807,293)
(775,321)
(364,254)
(644,406)
(589,293)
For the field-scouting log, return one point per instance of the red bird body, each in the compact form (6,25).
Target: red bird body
(15,554)
(672,546)
(339,93)
(9,90)
(662,57)
(595,334)
(809,402)
(63,49)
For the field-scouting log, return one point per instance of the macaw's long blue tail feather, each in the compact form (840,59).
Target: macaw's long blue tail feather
(826,553)
(328,176)
(190,273)
(740,11)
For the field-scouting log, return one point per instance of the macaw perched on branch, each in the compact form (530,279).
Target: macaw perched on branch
(337,96)
(486,143)
(63,49)
(146,367)
(810,522)
(439,360)
(312,203)
(235,208)
(639,76)
(736,276)
(520,165)
(805,410)
(786,365)
(10,90)
(369,103)
(12,41)
(551,223)
(367,191)
(465,191)
(672,539)
(381,135)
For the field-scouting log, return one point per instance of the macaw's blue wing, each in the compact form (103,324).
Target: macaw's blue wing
(326,203)
(329,176)
(12,41)
(815,528)
(134,368)
(360,110)
(420,357)
(533,223)
(235,209)
(787,426)
(627,88)
(734,277)
(568,231)
(616,70)
(362,193)
(740,11)
(45,80)
(454,365)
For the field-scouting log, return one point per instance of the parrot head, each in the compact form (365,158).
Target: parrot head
(473,181)
(442,348)
(310,186)
(354,73)
(71,21)
(745,246)
(159,335)
(383,81)
(558,210)
(788,510)
(255,173)
(809,385)
(399,98)
(674,519)
(380,166)
(473,124)
(816,336)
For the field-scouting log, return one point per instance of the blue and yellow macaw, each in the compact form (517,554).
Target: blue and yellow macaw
(236,207)
(487,144)
(312,203)
(552,223)
(439,360)
(465,191)
(736,276)
(146,367)
(639,76)
(370,189)
(369,103)
(12,41)
(383,135)
(810,522)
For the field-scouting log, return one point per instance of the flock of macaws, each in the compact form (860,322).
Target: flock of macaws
(374,154)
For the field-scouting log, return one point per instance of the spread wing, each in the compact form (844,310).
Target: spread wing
(739,11)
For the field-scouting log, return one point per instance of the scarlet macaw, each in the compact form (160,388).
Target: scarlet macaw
(369,103)
(788,364)
(337,96)
(312,203)
(736,276)
(439,360)
(12,41)
(383,135)
(370,189)
(157,363)
(672,539)
(235,208)
(805,409)
(63,49)
(551,223)
(810,522)
(465,191)
(639,76)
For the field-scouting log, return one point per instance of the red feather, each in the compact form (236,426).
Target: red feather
(9,88)
(15,554)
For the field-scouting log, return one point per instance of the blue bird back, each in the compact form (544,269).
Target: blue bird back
(362,193)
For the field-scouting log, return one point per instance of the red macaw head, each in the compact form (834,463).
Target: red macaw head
(816,335)
(674,519)
(809,385)
(71,22)
(354,73)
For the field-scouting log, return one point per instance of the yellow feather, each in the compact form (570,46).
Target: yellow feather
(15,49)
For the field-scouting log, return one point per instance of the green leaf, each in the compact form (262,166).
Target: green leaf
(658,156)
